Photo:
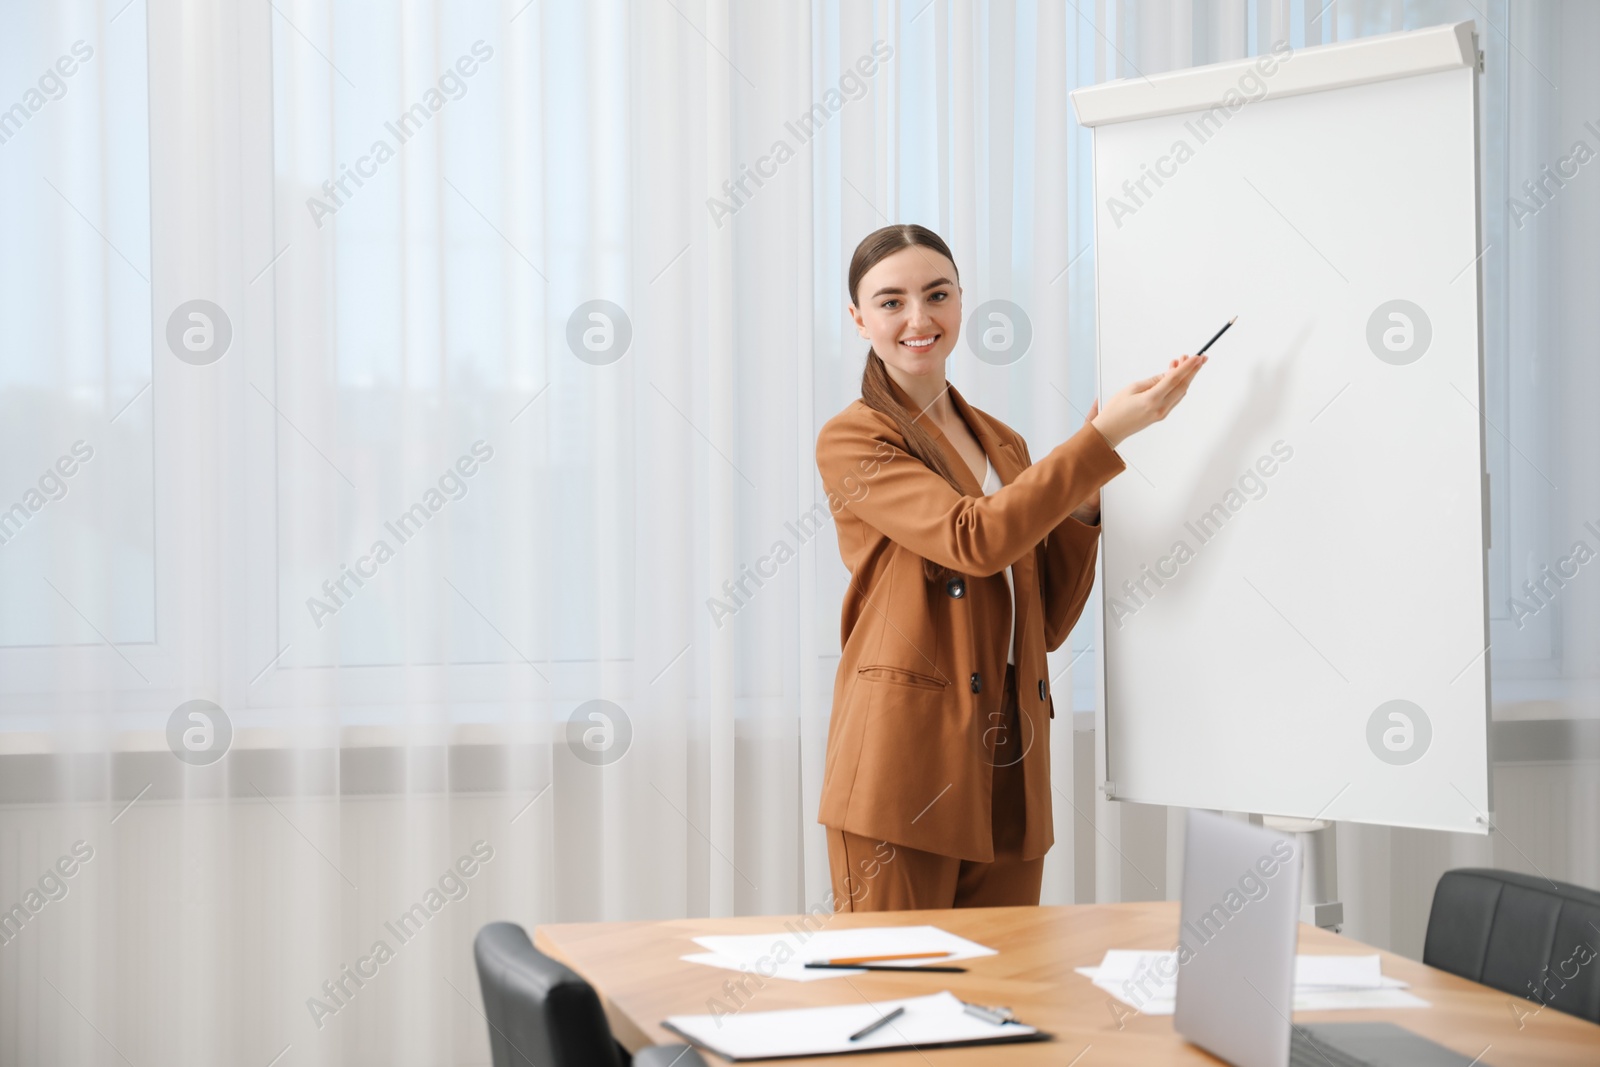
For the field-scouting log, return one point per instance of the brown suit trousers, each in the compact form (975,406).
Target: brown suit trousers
(870,875)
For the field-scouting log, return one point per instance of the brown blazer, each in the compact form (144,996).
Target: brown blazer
(924,645)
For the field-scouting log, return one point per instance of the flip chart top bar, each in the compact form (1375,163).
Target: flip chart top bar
(1304,70)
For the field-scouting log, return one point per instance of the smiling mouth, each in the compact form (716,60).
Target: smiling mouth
(922,344)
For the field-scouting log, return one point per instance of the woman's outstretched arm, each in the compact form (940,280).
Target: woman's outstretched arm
(866,469)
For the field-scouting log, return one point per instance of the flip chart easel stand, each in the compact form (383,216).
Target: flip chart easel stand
(1319,895)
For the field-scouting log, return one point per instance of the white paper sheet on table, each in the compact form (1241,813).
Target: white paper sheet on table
(931,1020)
(792,972)
(759,953)
(1322,983)
(1338,972)
(1355,999)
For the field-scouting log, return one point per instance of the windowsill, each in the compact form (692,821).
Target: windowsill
(251,771)
(19,743)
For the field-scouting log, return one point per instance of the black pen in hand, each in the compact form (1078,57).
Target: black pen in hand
(1216,335)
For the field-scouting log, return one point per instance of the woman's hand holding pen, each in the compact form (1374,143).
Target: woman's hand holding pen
(1146,401)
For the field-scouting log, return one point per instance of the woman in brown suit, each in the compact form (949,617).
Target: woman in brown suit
(936,784)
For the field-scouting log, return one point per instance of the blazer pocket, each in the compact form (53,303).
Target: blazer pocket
(902,676)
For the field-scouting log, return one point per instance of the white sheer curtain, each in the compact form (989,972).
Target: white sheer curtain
(477,499)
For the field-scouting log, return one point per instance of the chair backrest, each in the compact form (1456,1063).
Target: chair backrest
(1520,934)
(541,1013)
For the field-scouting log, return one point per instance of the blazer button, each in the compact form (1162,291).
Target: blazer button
(1042,691)
(977,683)
(956,588)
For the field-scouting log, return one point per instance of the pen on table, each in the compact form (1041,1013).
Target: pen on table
(1216,335)
(881,959)
(913,969)
(879,1021)
(997,1016)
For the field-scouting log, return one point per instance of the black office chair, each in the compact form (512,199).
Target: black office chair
(542,1014)
(1520,934)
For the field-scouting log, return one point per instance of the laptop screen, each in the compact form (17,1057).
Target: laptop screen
(1239,921)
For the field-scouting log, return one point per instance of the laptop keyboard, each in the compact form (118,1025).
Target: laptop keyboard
(1303,1052)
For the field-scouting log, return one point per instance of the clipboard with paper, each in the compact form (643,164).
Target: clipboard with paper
(939,1020)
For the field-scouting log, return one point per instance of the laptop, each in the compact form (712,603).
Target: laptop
(1237,933)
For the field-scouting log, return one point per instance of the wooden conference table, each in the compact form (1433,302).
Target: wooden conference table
(636,970)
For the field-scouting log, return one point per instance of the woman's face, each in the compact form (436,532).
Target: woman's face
(910,310)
